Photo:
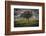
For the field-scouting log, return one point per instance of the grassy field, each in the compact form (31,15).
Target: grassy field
(26,23)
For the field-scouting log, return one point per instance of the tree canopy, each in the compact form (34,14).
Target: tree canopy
(27,14)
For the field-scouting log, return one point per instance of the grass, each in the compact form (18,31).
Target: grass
(25,23)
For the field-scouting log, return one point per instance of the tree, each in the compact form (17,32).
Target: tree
(27,15)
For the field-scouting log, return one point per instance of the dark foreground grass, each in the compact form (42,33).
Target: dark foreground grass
(25,23)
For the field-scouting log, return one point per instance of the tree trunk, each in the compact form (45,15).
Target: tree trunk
(28,20)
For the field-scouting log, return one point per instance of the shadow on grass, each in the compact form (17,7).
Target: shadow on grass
(26,24)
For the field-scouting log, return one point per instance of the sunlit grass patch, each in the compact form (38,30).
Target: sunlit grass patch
(25,22)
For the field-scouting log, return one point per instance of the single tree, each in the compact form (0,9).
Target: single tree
(27,15)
